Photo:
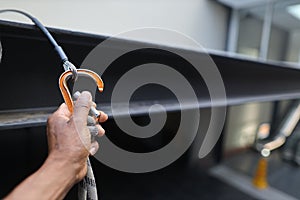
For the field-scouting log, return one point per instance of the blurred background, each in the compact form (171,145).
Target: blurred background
(263,35)
(260,29)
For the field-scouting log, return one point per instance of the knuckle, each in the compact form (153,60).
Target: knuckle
(82,104)
(50,119)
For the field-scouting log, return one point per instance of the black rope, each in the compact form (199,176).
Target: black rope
(52,41)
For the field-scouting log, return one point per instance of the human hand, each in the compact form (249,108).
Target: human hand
(69,138)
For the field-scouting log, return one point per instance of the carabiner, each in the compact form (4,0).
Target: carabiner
(64,77)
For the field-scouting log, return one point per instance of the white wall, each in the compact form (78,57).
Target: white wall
(294,46)
(203,20)
(249,34)
(278,44)
(250,37)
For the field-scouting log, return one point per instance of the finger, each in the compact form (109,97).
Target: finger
(93,130)
(94,148)
(76,95)
(101,130)
(82,107)
(103,116)
(96,130)
(93,111)
(91,121)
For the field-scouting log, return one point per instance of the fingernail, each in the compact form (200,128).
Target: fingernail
(76,95)
(93,150)
(102,131)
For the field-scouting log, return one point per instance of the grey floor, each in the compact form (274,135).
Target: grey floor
(176,183)
(282,176)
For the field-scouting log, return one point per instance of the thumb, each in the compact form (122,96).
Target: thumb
(82,107)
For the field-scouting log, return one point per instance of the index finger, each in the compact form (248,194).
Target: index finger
(81,107)
(103,117)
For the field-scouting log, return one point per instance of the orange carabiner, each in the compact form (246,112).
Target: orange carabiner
(64,88)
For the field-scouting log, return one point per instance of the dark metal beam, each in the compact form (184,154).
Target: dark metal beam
(28,84)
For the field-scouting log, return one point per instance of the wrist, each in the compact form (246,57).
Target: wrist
(52,181)
(73,167)
(58,167)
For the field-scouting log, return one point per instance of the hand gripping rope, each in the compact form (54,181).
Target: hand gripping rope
(87,187)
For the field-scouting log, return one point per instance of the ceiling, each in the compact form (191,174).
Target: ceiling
(281,18)
(241,4)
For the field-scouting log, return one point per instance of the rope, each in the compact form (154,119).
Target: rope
(87,189)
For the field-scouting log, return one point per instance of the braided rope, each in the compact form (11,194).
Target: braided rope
(87,189)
